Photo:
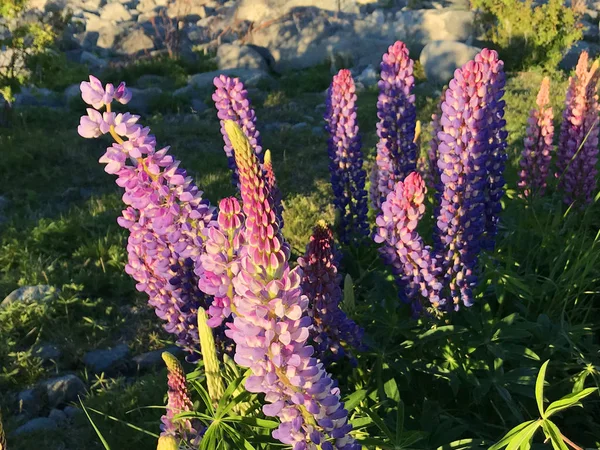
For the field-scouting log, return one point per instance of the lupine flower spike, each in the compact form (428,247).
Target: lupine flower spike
(537,148)
(270,325)
(412,262)
(232,103)
(578,140)
(2,436)
(345,157)
(182,430)
(272,186)
(463,152)
(332,331)
(212,368)
(167,443)
(165,213)
(396,149)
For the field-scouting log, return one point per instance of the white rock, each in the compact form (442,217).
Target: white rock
(135,42)
(441,58)
(30,294)
(107,37)
(260,10)
(116,12)
(232,56)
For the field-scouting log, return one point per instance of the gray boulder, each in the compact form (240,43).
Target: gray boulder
(261,10)
(141,101)
(72,412)
(232,56)
(441,58)
(570,59)
(135,42)
(145,6)
(152,359)
(71,92)
(30,294)
(92,60)
(109,360)
(31,96)
(115,12)
(368,77)
(30,401)
(58,416)
(47,352)
(64,389)
(107,37)
(38,424)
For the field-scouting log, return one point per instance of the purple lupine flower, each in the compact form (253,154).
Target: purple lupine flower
(270,325)
(332,331)
(232,103)
(397,114)
(185,431)
(537,151)
(165,216)
(274,191)
(462,161)
(93,93)
(415,268)
(578,141)
(219,263)
(493,69)
(346,159)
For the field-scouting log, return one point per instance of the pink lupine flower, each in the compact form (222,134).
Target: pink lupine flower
(537,151)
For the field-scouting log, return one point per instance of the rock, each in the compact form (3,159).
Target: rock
(368,77)
(64,389)
(71,92)
(570,59)
(32,96)
(93,22)
(36,425)
(141,100)
(92,60)
(441,58)
(72,412)
(260,10)
(30,402)
(30,294)
(145,6)
(300,126)
(107,37)
(91,5)
(152,359)
(115,12)
(317,131)
(58,416)
(109,360)
(189,12)
(205,80)
(591,30)
(135,42)
(232,56)
(47,352)
(199,106)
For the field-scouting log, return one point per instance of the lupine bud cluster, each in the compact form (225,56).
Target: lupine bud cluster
(165,213)
(493,70)
(470,136)
(396,150)
(537,148)
(185,431)
(332,331)
(411,260)
(578,140)
(346,159)
(274,191)
(232,103)
(270,325)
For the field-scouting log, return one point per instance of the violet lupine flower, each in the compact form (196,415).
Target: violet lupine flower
(462,161)
(493,69)
(270,325)
(185,431)
(232,103)
(578,140)
(219,263)
(165,216)
(274,191)
(537,151)
(346,159)
(397,114)
(411,260)
(332,331)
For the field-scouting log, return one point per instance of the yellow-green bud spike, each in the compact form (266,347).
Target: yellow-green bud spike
(321,223)
(239,142)
(268,160)
(172,362)
(349,301)
(212,368)
(167,443)
(417,131)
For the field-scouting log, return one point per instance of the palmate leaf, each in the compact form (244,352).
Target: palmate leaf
(568,401)
(510,435)
(523,439)
(553,433)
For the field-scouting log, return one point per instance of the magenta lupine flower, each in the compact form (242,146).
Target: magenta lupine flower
(270,325)
(465,145)
(185,431)
(332,332)
(578,140)
(93,93)
(346,160)
(219,263)
(232,103)
(415,268)
(493,69)
(165,216)
(397,114)
(537,151)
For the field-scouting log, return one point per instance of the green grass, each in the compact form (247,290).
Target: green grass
(61,230)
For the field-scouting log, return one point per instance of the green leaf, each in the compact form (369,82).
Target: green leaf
(379,422)
(104,443)
(410,437)
(353,400)
(568,401)
(399,420)
(539,388)
(348,304)
(553,433)
(524,436)
(463,444)
(511,434)
(391,390)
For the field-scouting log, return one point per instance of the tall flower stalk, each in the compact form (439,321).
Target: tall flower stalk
(578,141)
(165,212)
(537,148)
(274,191)
(333,333)
(232,103)
(396,111)
(346,159)
(270,326)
